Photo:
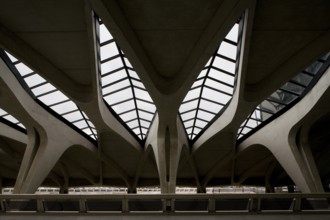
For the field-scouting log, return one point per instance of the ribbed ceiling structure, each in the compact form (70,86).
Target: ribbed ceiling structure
(164,94)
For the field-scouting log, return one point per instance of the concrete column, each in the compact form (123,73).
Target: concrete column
(167,141)
(48,137)
(279,136)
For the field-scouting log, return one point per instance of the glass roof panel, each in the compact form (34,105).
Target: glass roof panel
(43,89)
(23,69)
(33,80)
(10,118)
(228,50)
(122,88)
(50,96)
(188,106)
(104,34)
(214,86)
(223,64)
(124,106)
(109,51)
(233,33)
(284,97)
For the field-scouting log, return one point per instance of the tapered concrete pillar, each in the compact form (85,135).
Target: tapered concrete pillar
(280,137)
(167,142)
(48,137)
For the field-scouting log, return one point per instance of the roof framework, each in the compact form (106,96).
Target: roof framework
(164,94)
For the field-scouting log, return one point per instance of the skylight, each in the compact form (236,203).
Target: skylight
(53,98)
(122,88)
(9,117)
(285,96)
(213,88)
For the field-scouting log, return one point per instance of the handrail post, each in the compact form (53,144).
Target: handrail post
(82,205)
(211,207)
(254,204)
(40,205)
(296,206)
(3,208)
(125,208)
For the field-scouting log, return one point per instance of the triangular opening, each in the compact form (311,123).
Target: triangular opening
(50,97)
(284,98)
(122,88)
(214,86)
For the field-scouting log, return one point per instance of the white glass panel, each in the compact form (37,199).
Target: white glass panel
(145,115)
(141,94)
(81,124)
(53,97)
(104,34)
(111,65)
(21,125)
(192,94)
(224,64)
(205,115)
(120,96)
(189,123)
(210,106)
(136,131)
(197,83)
(144,131)
(211,94)
(74,116)
(64,107)
(128,63)
(208,62)
(113,77)
(33,80)
(11,57)
(213,84)
(87,131)
(2,112)
(252,123)
(137,83)
(125,106)
(188,106)
(246,130)
(145,124)
(200,123)
(145,106)
(11,118)
(233,33)
(202,74)
(133,124)
(23,69)
(188,115)
(133,74)
(129,116)
(228,50)
(223,77)
(117,86)
(108,51)
(196,130)
(43,89)
(189,131)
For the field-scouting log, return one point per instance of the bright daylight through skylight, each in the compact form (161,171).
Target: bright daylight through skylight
(213,87)
(53,98)
(122,88)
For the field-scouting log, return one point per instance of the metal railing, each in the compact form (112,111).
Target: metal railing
(166,203)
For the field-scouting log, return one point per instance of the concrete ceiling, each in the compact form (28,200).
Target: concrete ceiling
(168,43)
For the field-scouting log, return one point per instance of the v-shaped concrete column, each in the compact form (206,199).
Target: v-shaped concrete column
(48,137)
(279,137)
(167,142)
